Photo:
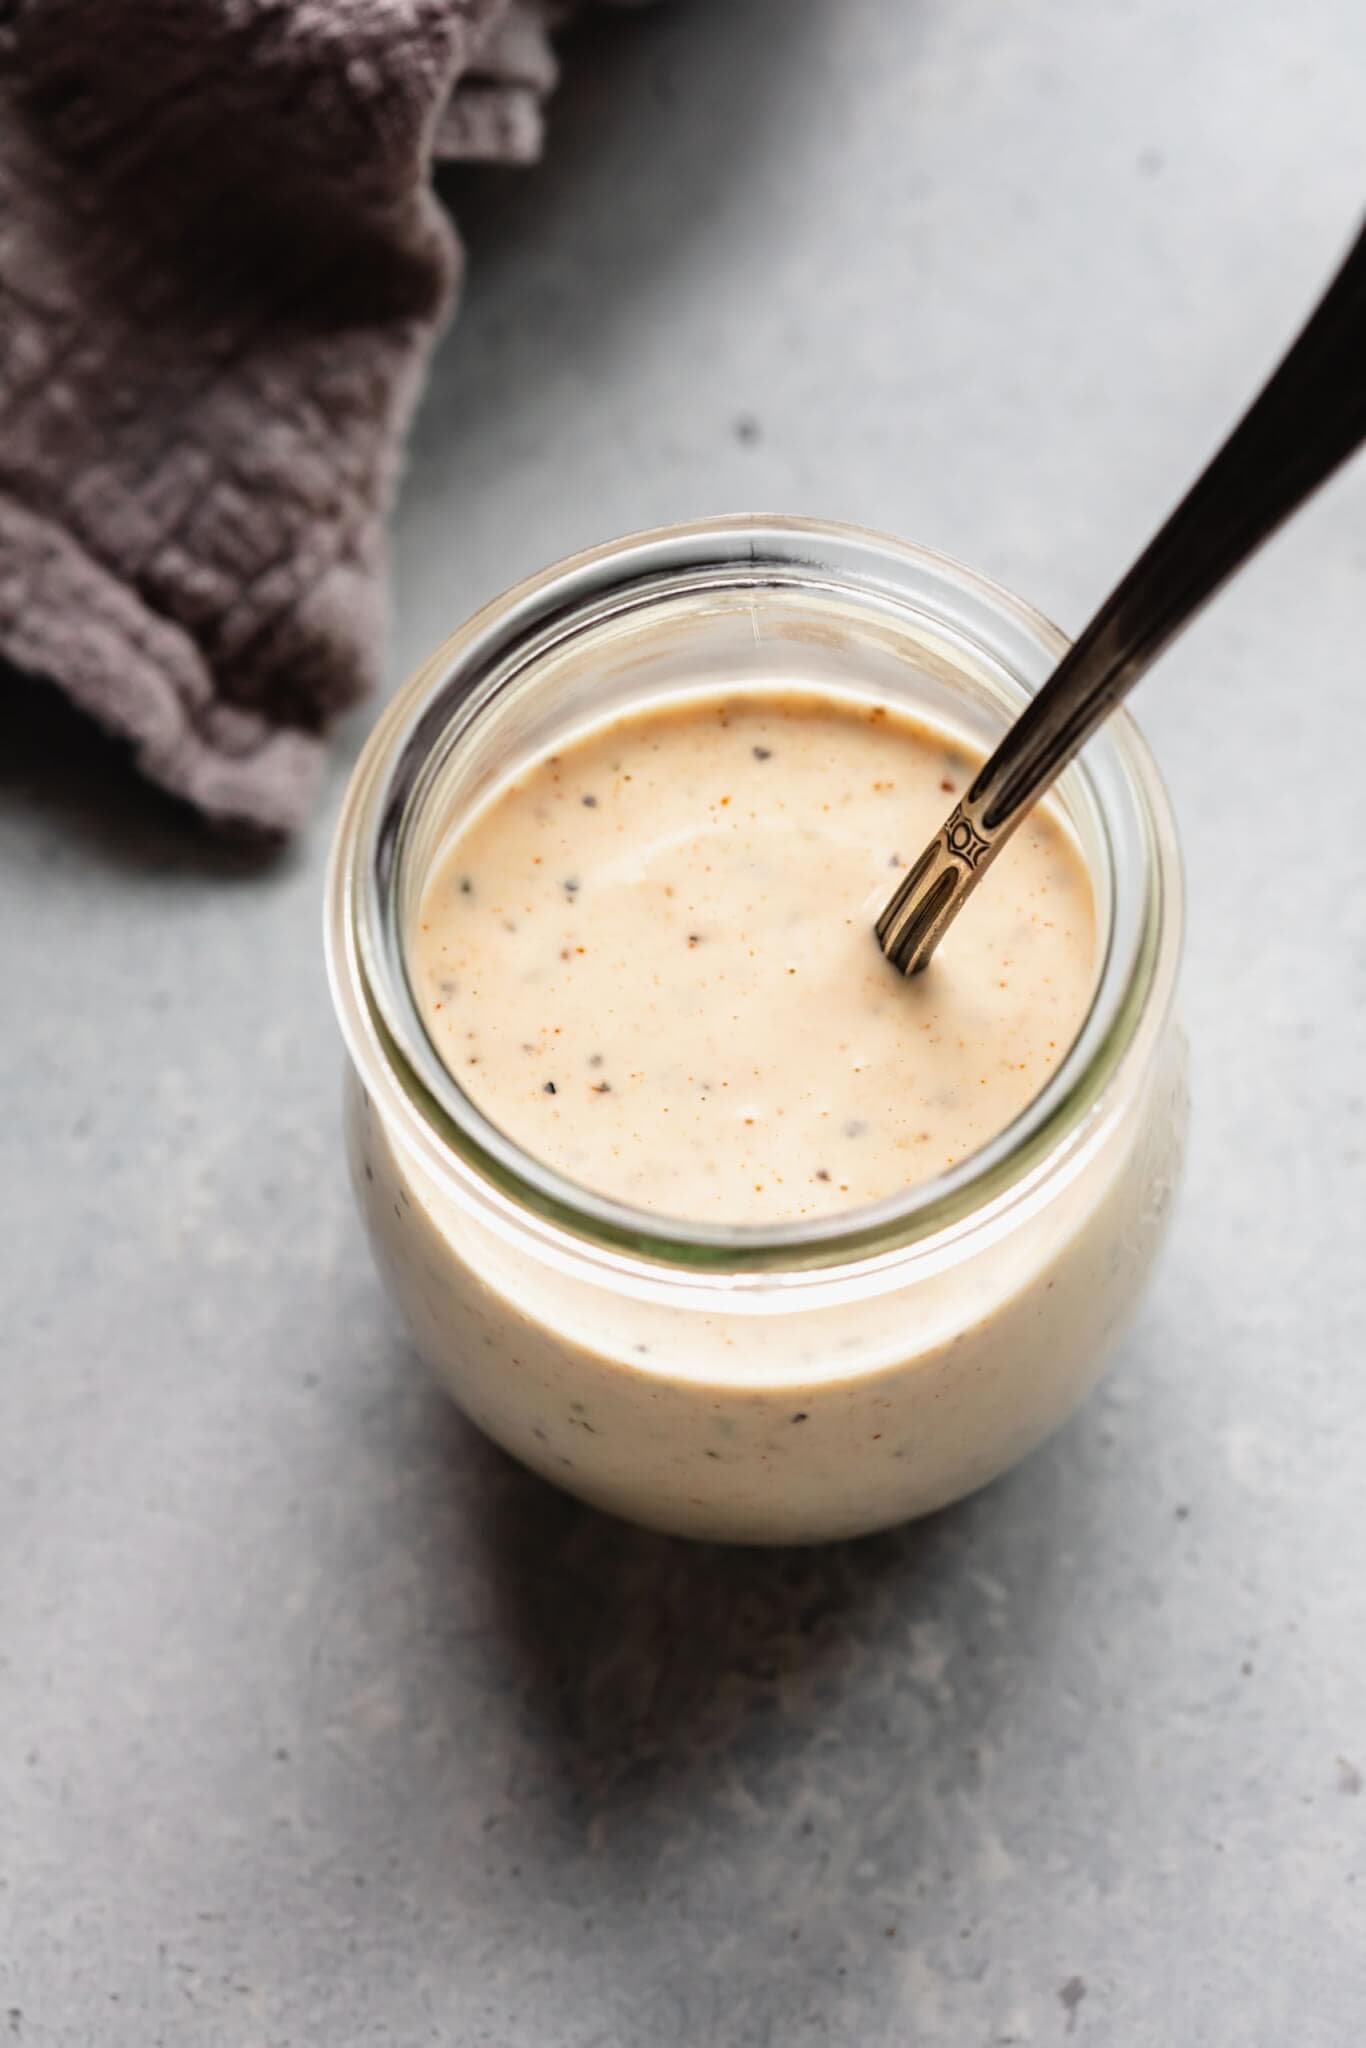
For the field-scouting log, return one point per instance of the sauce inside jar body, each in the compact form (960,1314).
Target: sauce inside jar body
(649,960)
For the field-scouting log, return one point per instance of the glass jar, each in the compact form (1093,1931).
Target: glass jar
(745,1383)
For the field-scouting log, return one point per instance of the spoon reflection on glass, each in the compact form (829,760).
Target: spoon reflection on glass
(1307,420)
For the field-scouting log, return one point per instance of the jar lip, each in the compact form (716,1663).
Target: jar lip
(462,1147)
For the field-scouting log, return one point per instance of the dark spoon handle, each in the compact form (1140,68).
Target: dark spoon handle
(1306,421)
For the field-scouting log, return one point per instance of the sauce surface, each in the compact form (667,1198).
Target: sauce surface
(649,960)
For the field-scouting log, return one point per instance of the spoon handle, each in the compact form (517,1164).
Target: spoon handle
(1308,418)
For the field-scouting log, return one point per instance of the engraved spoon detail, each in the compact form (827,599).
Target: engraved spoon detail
(1307,419)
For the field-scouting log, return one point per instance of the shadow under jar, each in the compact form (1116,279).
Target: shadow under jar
(761,1384)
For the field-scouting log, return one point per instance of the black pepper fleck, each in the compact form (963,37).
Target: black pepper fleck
(1070,1996)
(595,1059)
(602,1087)
(466,886)
(821,1173)
(549,1088)
(762,753)
(800,1417)
(571,887)
(590,803)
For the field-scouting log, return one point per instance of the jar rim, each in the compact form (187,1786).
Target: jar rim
(466,1151)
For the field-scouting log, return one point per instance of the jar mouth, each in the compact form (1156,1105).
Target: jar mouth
(947,618)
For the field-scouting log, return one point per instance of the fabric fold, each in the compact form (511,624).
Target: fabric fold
(222,270)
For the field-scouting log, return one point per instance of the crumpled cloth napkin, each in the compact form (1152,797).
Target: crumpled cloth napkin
(222,268)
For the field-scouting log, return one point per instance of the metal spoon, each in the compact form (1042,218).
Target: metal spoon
(1308,419)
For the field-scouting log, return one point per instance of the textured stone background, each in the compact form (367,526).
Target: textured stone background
(320,1724)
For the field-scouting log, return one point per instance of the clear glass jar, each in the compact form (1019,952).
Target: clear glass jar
(750,1384)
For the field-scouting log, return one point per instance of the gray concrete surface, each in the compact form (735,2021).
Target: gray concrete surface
(319,1723)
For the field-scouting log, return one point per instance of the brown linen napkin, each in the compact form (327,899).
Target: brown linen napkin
(222,268)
